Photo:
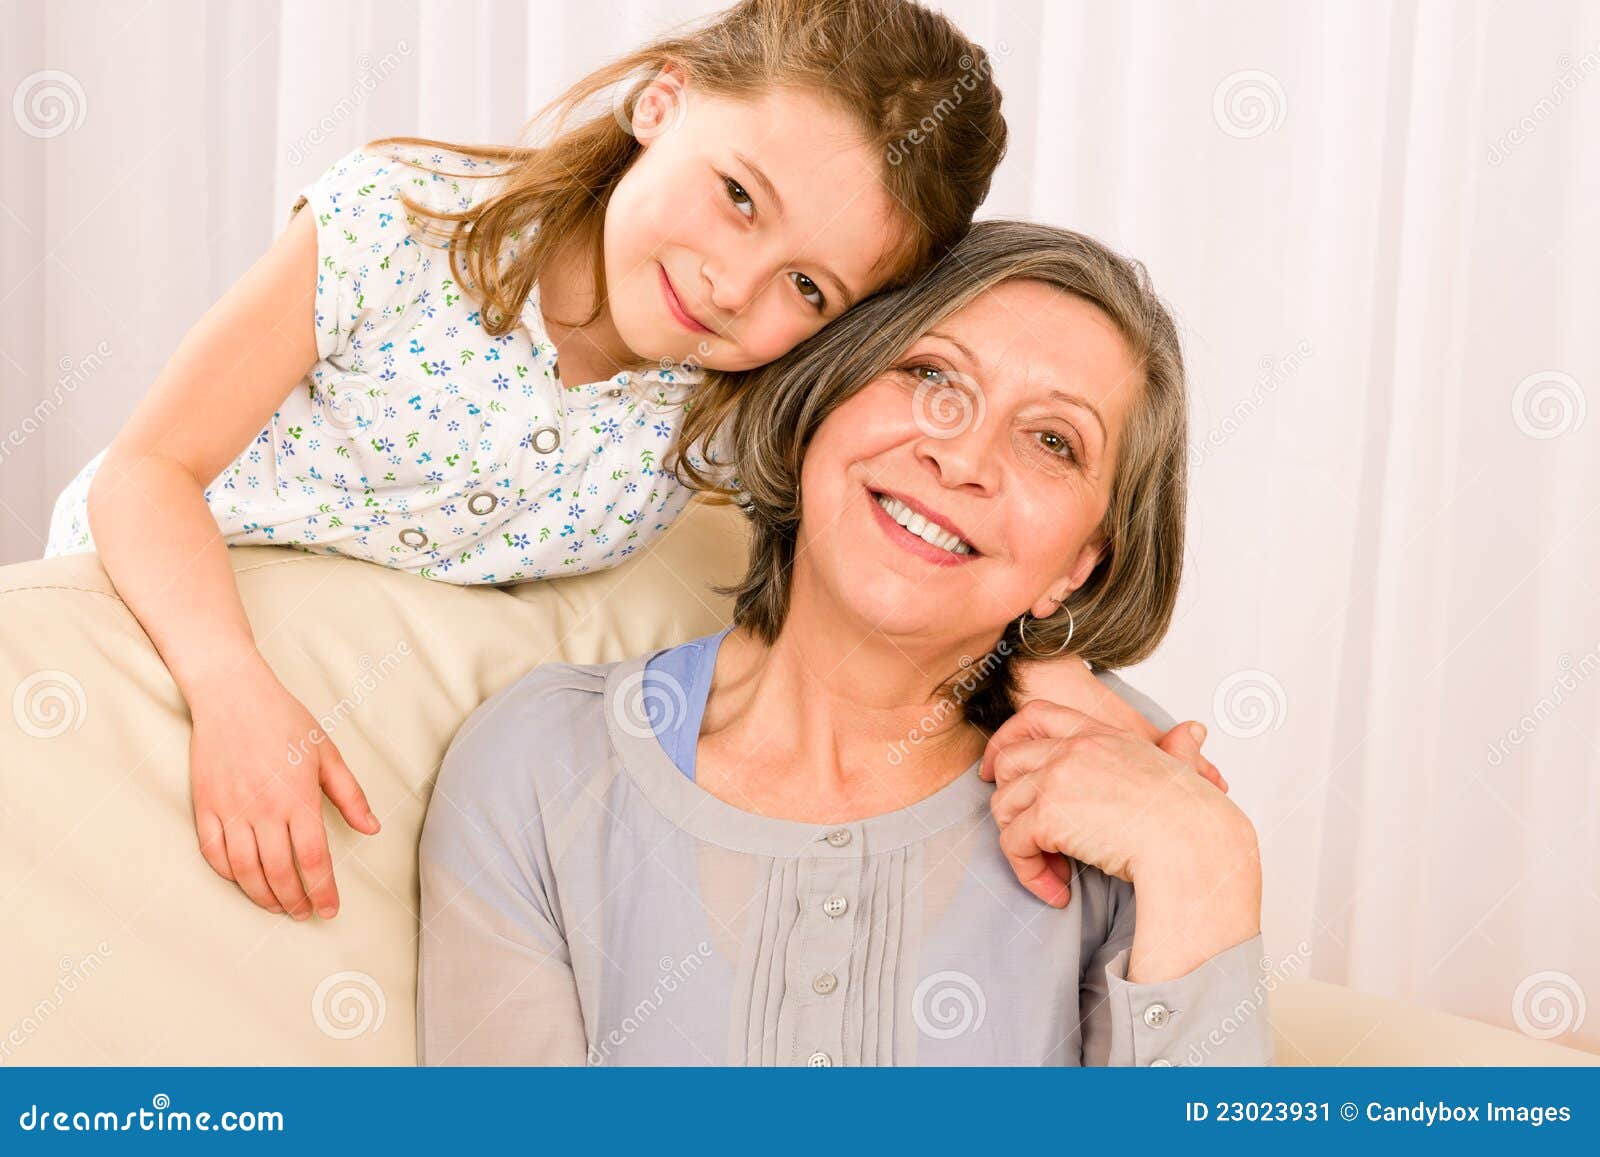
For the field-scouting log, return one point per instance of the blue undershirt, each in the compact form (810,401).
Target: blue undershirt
(677,683)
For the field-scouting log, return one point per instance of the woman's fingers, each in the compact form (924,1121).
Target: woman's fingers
(1031,862)
(316,865)
(245,862)
(339,784)
(277,862)
(213,845)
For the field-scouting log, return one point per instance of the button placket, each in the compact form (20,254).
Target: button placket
(818,979)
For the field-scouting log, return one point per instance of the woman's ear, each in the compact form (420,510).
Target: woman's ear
(1088,557)
(660,106)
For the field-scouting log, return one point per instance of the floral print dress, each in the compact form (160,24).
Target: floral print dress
(417,440)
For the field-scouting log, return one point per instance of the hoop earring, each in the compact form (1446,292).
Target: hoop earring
(1022,633)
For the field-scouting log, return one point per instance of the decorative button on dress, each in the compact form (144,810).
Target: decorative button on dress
(417,440)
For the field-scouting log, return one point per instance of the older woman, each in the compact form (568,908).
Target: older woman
(786,843)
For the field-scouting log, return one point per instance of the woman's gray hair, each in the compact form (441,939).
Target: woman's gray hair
(1125,607)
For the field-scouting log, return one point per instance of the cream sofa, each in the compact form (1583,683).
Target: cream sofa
(122,947)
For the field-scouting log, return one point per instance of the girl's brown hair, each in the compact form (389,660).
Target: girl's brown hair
(1123,609)
(922,95)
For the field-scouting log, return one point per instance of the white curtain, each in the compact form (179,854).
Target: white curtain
(1378,222)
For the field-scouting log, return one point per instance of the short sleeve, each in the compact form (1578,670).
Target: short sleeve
(1213,1015)
(368,257)
(495,984)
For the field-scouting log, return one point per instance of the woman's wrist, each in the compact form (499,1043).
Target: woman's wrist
(1194,904)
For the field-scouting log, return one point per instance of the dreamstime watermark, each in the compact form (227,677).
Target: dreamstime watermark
(948,1004)
(948,408)
(1249,103)
(974,672)
(675,973)
(1548,404)
(366,83)
(1249,703)
(49,703)
(48,103)
(75,971)
(670,90)
(972,72)
(1570,74)
(649,703)
(1548,1004)
(348,1004)
(1271,974)
(372,674)
(1273,373)
(72,373)
(1572,675)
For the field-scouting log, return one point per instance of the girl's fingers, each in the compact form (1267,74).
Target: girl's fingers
(1030,863)
(1012,798)
(316,865)
(245,862)
(277,861)
(340,786)
(1036,719)
(213,845)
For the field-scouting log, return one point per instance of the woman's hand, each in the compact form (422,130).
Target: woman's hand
(259,765)
(1067,785)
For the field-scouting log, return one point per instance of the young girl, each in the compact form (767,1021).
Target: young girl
(471,362)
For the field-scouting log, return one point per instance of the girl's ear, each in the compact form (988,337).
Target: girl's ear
(661,106)
(1089,556)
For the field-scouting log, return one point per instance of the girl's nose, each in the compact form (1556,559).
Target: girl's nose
(734,285)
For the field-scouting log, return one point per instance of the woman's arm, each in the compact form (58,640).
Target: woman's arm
(1068,786)
(1215,1013)
(494,980)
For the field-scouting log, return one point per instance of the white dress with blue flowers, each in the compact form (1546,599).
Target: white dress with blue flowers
(417,440)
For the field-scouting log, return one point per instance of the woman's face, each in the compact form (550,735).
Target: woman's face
(1000,427)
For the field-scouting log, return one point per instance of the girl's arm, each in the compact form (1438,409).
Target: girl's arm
(162,549)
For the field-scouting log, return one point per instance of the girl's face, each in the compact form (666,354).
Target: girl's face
(743,226)
(1000,427)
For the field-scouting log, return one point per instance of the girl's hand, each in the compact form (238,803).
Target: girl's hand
(259,765)
(1068,785)
(1069,682)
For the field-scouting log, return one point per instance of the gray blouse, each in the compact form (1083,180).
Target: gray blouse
(585,902)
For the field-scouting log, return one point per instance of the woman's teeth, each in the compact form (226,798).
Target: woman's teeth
(921,527)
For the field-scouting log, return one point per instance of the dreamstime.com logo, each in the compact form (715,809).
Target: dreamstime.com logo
(160,1117)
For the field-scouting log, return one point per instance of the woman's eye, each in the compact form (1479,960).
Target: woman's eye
(741,200)
(1057,444)
(808,289)
(933,374)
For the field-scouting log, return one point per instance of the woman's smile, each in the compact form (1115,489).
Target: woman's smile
(920,530)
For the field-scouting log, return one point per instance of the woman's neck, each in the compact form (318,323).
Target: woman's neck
(588,353)
(825,726)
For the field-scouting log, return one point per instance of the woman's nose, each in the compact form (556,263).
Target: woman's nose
(957,442)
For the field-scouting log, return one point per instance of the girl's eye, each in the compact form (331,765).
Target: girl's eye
(741,200)
(808,289)
(1058,445)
